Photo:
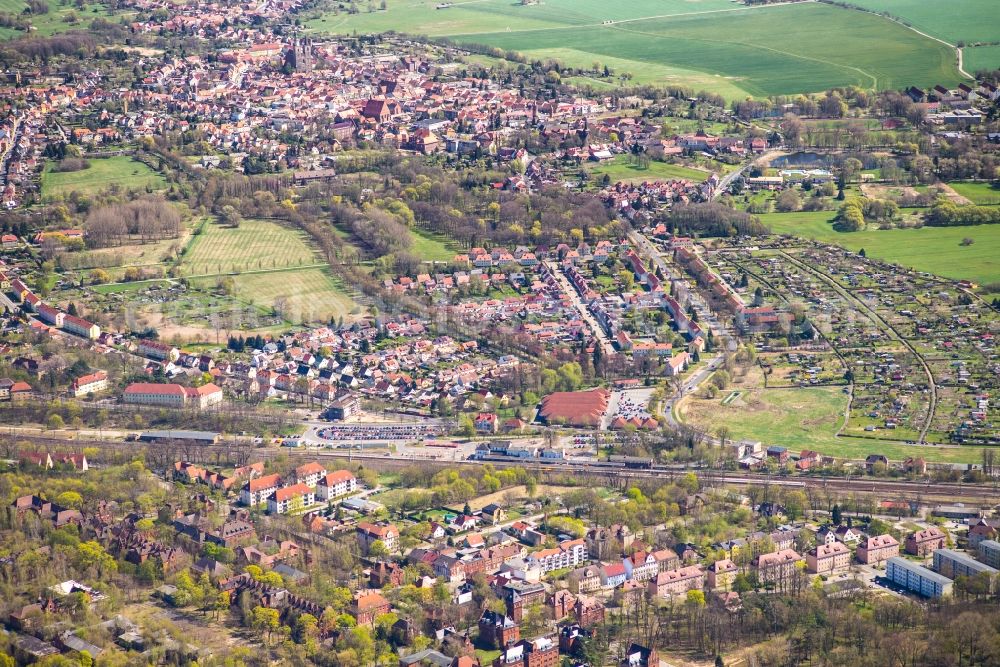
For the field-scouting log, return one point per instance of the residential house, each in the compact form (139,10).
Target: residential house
(721,574)
(368,533)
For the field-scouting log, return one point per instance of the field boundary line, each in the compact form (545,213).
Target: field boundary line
(895,20)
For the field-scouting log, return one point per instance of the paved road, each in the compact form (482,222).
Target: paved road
(689,386)
(595,327)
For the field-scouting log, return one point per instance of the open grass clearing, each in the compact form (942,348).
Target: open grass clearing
(431,247)
(804,418)
(620,169)
(768,50)
(936,250)
(979,193)
(120,171)
(61,17)
(300,295)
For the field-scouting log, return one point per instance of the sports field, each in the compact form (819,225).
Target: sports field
(103,172)
(268,263)
(619,169)
(712,44)
(950,20)
(934,249)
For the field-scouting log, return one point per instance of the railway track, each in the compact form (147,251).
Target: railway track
(232,452)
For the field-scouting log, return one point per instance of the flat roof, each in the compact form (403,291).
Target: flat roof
(920,570)
(990,544)
(178,435)
(967,560)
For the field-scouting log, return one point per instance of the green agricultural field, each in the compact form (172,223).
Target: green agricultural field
(712,44)
(982,194)
(952,20)
(936,250)
(123,172)
(619,169)
(980,58)
(805,418)
(421,16)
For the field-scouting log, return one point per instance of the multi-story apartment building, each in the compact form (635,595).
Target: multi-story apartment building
(90,384)
(368,533)
(828,558)
(677,582)
(917,578)
(954,564)
(310,473)
(259,490)
(721,574)
(172,395)
(923,542)
(989,552)
(778,566)
(335,484)
(570,553)
(288,498)
(877,550)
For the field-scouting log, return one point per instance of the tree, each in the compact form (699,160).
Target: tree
(54,421)
(835,515)
(70,499)
(264,621)
(377,549)
(695,598)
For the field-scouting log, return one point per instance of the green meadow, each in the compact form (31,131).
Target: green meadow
(620,169)
(937,250)
(122,171)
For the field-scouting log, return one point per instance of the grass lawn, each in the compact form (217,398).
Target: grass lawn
(253,246)
(619,169)
(801,419)
(954,21)
(982,194)
(431,247)
(268,264)
(305,295)
(119,288)
(932,249)
(122,171)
